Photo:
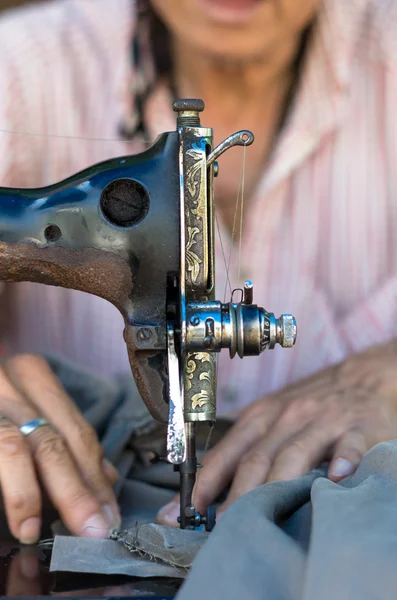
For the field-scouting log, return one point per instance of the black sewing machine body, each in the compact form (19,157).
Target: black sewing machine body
(112,230)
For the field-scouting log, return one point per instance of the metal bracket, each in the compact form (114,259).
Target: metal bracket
(240,138)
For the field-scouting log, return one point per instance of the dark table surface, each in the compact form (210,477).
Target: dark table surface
(24,572)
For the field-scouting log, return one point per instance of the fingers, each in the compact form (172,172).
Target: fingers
(84,498)
(348,454)
(303,452)
(253,468)
(220,464)
(264,445)
(169,514)
(281,455)
(272,451)
(78,508)
(281,458)
(34,378)
(20,489)
(110,471)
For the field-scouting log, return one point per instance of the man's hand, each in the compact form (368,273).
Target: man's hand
(336,415)
(64,456)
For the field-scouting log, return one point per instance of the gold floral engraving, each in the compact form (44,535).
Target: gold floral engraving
(193,261)
(205,375)
(189,370)
(202,356)
(193,178)
(197,214)
(201,399)
(198,400)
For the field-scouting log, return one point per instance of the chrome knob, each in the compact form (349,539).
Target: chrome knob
(286,331)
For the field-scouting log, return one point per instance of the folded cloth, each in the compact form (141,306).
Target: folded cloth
(142,551)
(173,546)
(297,540)
(103,557)
(342,545)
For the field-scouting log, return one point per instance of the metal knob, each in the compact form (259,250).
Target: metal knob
(188,104)
(188,112)
(286,331)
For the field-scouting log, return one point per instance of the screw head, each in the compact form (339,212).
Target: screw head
(124,202)
(195,320)
(144,334)
(209,342)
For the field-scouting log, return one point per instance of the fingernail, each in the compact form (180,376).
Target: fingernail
(29,531)
(95,527)
(169,514)
(109,469)
(112,516)
(342,468)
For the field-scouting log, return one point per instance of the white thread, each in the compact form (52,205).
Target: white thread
(65,137)
(227,262)
(224,255)
(240,193)
(241,213)
(207,444)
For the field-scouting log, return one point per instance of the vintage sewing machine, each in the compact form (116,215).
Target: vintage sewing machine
(138,231)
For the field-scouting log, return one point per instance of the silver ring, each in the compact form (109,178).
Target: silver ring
(31,426)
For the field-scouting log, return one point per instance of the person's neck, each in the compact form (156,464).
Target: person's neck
(236,88)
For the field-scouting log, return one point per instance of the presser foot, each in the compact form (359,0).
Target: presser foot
(194,520)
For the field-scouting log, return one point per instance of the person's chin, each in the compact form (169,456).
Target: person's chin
(231,11)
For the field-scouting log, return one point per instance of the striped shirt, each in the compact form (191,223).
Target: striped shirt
(319,240)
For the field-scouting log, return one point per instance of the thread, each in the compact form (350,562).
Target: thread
(64,137)
(241,213)
(207,445)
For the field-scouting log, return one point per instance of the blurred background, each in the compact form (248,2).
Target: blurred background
(11,3)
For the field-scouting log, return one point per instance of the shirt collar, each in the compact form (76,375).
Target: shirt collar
(340,27)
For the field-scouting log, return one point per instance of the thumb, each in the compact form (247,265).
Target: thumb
(169,514)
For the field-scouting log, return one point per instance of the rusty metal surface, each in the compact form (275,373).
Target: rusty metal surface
(103,274)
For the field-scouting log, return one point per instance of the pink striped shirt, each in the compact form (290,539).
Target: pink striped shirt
(319,240)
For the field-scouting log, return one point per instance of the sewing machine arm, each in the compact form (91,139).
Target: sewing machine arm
(102,232)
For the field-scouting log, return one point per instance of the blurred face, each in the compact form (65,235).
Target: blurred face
(235,30)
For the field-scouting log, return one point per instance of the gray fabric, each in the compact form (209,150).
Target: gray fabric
(298,540)
(114,408)
(83,555)
(168,544)
(147,550)
(352,527)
